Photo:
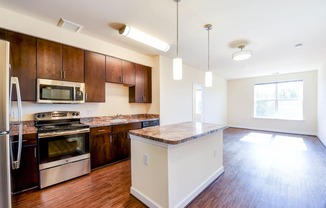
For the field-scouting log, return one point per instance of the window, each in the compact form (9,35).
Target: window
(279,100)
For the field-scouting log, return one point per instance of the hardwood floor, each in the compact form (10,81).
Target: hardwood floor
(266,169)
(262,169)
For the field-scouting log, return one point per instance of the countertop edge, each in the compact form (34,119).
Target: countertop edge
(186,139)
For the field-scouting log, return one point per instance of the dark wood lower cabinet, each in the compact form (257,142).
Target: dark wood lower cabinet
(110,143)
(26,177)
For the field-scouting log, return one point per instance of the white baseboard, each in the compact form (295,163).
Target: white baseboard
(143,198)
(201,187)
(276,130)
(150,203)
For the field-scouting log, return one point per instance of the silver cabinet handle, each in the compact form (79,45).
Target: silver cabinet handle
(61,72)
(35,152)
(110,138)
(101,130)
(64,74)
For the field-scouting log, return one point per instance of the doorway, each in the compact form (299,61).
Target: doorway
(198,103)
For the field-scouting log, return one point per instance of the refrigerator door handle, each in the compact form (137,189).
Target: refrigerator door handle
(16,163)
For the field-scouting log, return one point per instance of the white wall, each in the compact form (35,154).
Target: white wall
(176,96)
(321,118)
(241,105)
(116,95)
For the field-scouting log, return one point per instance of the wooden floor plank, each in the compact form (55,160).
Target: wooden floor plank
(262,169)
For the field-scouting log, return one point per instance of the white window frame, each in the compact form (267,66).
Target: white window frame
(276,100)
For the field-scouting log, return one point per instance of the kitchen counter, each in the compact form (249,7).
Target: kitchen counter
(29,126)
(178,133)
(178,162)
(123,119)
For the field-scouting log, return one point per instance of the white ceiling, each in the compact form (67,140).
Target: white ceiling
(272,29)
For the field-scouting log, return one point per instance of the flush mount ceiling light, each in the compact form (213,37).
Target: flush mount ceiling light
(177,62)
(68,25)
(142,37)
(208,74)
(242,54)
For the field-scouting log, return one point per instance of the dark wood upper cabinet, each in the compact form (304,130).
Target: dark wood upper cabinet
(73,64)
(23,63)
(119,71)
(59,62)
(142,91)
(113,70)
(49,60)
(3,34)
(94,77)
(128,71)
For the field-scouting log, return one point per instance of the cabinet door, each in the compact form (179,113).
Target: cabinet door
(147,84)
(26,177)
(142,91)
(113,70)
(101,153)
(128,71)
(23,63)
(140,84)
(73,64)
(121,145)
(49,60)
(94,77)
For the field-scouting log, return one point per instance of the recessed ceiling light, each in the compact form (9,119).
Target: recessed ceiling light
(299,45)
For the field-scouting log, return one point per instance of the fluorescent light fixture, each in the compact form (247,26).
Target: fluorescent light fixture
(208,79)
(142,37)
(242,54)
(177,69)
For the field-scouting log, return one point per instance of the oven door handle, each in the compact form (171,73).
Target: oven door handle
(62,133)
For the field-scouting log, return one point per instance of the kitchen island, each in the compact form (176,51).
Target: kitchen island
(172,164)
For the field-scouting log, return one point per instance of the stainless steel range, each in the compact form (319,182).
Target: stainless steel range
(63,146)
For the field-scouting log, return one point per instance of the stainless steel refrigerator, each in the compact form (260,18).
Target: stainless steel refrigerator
(8,158)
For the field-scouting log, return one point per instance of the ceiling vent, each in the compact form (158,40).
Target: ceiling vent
(68,25)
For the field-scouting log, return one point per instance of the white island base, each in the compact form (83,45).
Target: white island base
(172,175)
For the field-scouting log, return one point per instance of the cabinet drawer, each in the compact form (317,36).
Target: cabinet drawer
(126,127)
(100,130)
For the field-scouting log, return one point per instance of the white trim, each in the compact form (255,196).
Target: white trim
(143,198)
(150,203)
(201,187)
(321,140)
(276,130)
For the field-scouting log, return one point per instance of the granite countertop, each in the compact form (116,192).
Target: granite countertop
(178,133)
(29,126)
(123,119)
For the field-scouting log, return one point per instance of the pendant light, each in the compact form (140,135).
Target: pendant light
(208,74)
(177,62)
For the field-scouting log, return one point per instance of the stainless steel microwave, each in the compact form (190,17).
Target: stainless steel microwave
(54,91)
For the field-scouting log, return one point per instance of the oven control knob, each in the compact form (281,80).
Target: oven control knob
(40,115)
(76,114)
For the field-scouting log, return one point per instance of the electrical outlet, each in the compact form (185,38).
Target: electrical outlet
(146,159)
(215,152)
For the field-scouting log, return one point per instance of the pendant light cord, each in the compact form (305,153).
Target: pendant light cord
(177,28)
(208,29)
